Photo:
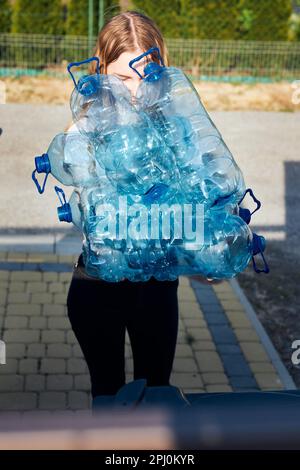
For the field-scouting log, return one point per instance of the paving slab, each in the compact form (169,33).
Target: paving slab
(221,347)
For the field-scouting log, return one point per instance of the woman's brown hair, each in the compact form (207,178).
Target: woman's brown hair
(125,33)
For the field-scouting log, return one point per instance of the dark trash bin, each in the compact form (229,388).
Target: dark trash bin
(138,394)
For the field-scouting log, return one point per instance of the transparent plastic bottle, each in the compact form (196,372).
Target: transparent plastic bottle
(228,247)
(70,158)
(171,101)
(136,158)
(98,102)
(165,152)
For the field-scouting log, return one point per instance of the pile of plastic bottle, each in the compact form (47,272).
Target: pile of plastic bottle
(157,191)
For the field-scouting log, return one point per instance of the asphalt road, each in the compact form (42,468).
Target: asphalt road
(264,144)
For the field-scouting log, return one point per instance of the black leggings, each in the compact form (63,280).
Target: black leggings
(100,311)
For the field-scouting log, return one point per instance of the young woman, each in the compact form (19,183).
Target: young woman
(101,311)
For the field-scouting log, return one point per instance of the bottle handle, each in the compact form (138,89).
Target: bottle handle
(258,203)
(61,195)
(149,51)
(266,267)
(64,211)
(77,64)
(258,247)
(40,189)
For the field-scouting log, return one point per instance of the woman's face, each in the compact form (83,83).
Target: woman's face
(121,69)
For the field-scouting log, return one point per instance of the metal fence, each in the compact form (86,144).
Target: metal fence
(28,54)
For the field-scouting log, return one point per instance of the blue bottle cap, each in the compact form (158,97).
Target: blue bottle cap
(88,84)
(64,213)
(151,67)
(152,71)
(42,164)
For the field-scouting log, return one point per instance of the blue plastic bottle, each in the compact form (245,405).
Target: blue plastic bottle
(164,151)
(99,102)
(172,102)
(70,159)
(128,147)
(228,247)
(136,158)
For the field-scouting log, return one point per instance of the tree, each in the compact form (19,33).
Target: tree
(297,36)
(215,19)
(77,16)
(38,17)
(201,19)
(267,20)
(220,19)
(5,16)
(166,15)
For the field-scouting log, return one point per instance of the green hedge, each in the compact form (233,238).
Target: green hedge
(38,17)
(77,15)
(265,20)
(5,16)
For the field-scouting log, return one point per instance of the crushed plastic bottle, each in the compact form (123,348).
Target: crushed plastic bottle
(207,168)
(158,192)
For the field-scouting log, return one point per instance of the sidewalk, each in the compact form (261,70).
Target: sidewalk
(221,344)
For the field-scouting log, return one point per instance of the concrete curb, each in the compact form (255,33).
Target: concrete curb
(282,371)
